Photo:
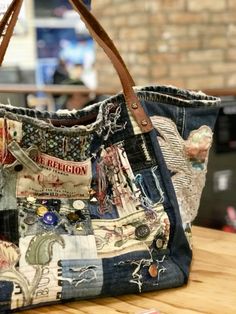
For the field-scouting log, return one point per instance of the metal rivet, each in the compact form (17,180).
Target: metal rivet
(144,122)
(134,105)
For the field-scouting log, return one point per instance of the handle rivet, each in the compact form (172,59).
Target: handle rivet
(144,122)
(134,105)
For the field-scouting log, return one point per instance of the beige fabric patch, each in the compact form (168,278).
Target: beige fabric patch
(187,160)
(119,236)
(57,179)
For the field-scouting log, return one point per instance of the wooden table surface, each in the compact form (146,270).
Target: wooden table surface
(211,288)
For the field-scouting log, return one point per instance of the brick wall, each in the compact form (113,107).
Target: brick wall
(190,43)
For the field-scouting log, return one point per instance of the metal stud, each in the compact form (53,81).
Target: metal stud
(134,105)
(144,122)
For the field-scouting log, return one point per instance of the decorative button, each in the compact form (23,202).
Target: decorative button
(30,219)
(78,204)
(50,218)
(79,227)
(40,211)
(144,122)
(31,199)
(18,168)
(92,192)
(93,200)
(142,232)
(73,217)
(134,105)
(153,270)
(159,243)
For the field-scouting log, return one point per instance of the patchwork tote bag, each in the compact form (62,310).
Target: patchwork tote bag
(99,202)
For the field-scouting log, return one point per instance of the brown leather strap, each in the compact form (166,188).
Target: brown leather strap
(7,25)
(101,37)
(99,34)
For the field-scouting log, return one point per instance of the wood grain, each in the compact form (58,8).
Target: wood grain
(211,288)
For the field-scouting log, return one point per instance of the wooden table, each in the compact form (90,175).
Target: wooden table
(211,288)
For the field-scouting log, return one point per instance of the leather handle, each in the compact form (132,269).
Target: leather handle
(7,25)
(101,37)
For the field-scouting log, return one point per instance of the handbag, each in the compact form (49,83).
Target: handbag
(100,201)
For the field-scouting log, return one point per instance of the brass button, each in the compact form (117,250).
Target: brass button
(144,122)
(41,210)
(134,105)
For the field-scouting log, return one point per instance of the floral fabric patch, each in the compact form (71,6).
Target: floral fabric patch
(187,161)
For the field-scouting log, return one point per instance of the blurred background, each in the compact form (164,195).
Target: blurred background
(186,43)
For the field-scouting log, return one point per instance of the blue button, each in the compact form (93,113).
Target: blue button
(50,218)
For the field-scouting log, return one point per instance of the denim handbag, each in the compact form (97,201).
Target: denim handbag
(99,202)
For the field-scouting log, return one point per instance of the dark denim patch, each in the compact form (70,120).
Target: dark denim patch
(139,151)
(9,226)
(118,274)
(6,289)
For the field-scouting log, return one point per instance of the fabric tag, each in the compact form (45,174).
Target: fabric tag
(57,179)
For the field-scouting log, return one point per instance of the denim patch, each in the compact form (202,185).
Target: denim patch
(80,278)
(139,152)
(8,194)
(130,273)
(9,226)
(6,289)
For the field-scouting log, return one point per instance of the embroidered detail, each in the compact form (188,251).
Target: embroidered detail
(74,148)
(40,248)
(9,255)
(39,254)
(116,182)
(187,160)
(197,146)
(110,121)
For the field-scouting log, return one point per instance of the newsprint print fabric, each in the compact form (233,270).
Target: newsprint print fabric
(100,209)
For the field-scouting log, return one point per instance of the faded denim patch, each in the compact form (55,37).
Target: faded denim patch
(80,278)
